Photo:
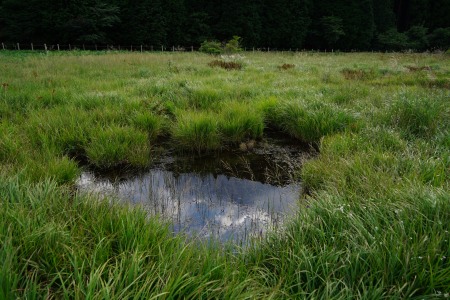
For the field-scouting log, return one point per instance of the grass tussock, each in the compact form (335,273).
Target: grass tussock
(239,122)
(285,67)
(373,222)
(196,131)
(118,146)
(227,65)
(309,122)
(358,74)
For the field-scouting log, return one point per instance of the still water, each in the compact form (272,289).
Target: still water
(230,196)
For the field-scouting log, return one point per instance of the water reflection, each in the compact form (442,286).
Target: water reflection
(229,195)
(227,208)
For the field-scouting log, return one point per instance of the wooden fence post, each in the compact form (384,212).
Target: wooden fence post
(162,48)
(141,48)
(32,48)
(45,47)
(57,45)
(70,48)
(83,48)
(131,48)
(151,48)
(3,46)
(192,48)
(18,46)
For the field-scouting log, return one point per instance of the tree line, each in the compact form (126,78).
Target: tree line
(282,24)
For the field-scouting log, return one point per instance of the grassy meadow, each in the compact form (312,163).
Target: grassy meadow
(374,221)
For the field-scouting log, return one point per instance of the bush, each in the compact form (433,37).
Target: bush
(211,47)
(417,36)
(233,45)
(215,47)
(440,38)
(393,40)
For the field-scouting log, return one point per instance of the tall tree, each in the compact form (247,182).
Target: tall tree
(285,23)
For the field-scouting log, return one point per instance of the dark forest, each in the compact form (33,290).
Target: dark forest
(284,24)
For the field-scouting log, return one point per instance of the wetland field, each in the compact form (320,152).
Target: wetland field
(295,175)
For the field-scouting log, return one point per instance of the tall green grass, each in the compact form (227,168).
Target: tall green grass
(372,224)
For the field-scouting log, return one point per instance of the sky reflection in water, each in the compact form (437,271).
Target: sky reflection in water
(227,208)
(229,196)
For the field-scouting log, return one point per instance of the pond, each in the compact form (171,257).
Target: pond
(230,196)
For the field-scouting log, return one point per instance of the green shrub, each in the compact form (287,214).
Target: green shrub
(211,47)
(233,45)
(215,47)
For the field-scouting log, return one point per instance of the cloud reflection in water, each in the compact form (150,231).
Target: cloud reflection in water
(227,208)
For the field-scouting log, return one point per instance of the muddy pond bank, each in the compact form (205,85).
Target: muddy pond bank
(231,196)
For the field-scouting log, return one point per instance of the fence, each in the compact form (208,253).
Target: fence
(92,47)
(130,48)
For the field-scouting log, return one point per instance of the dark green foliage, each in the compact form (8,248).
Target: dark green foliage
(440,38)
(211,47)
(284,24)
(333,29)
(393,40)
(233,45)
(215,47)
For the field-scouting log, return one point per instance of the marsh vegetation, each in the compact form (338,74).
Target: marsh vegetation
(374,217)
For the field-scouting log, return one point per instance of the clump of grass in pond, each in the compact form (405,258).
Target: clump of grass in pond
(227,65)
(61,169)
(153,124)
(239,121)
(196,131)
(311,121)
(115,146)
